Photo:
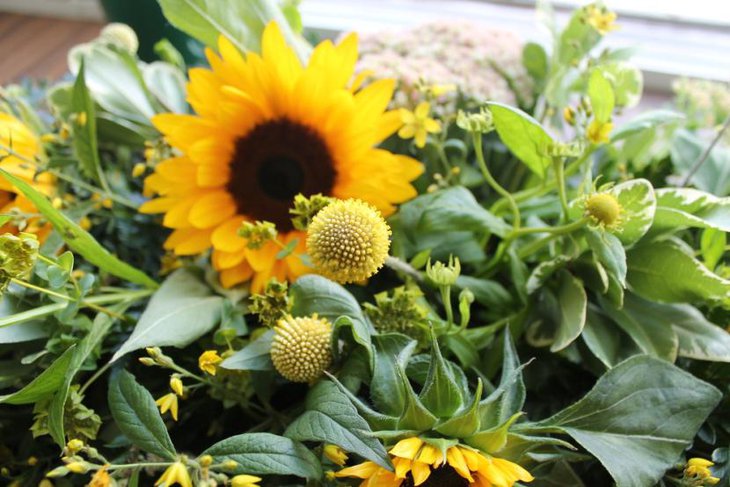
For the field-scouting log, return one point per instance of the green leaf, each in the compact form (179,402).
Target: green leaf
(241,22)
(572,301)
(509,397)
(697,338)
(316,294)
(392,352)
(45,384)
(576,39)
(31,330)
(254,356)
(84,140)
(330,417)
(535,60)
(653,337)
(664,271)
(167,83)
(179,313)
(466,422)
(79,240)
(646,121)
(713,175)
(638,205)
(266,454)
(524,136)
(135,412)
(685,207)
(493,440)
(610,252)
(605,340)
(99,329)
(456,207)
(415,416)
(543,271)
(601,95)
(375,419)
(440,394)
(712,246)
(638,418)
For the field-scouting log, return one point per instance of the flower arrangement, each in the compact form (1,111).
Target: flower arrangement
(431,258)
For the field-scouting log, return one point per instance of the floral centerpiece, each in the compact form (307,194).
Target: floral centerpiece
(433,257)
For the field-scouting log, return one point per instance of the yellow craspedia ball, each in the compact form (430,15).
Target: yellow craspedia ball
(348,241)
(604,209)
(300,349)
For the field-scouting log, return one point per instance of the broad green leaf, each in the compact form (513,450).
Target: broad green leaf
(45,384)
(392,352)
(135,412)
(490,293)
(627,82)
(543,271)
(509,397)
(576,39)
(456,207)
(712,246)
(685,207)
(524,136)
(316,294)
(697,338)
(84,140)
(665,272)
(572,302)
(330,417)
(79,240)
(254,356)
(713,175)
(653,337)
(266,454)
(440,394)
(601,95)
(605,340)
(610,252)
(638,205)
(99,329)
(167,83)
(646,121)
(376,420)
(415,416)
(179,313)
(535,60)
(638,418)
(241,22)
(20,332)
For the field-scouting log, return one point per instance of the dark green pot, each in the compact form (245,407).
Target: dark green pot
(145,17)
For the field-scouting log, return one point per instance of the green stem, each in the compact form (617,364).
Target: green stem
(493,182)
(446,298)
(557,230)
(139,465)
(399,265)
(93,378)
(560,178)
(536,245)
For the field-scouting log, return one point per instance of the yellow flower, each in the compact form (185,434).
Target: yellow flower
(300,349)
(267,128)
(245,481)
(77,467)
(101,478)
(176,473)
(698,472)
(176,385)
(598,132)
(335,454)
(348,241)
(601,19)
(208,361)
(416,461)
(168,402)
(139,169)
(19,149)
(417,124)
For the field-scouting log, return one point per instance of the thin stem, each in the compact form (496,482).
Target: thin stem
(706,154)
(399,265)
(138,465)
(93,378)
(560,179)
(446,298)
(187,373)
(493,182)
(536,245)
(557,230)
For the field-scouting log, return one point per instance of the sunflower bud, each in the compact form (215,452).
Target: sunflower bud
(604,209)
(305,209)
(481,122)
(17,255)
(348,241)
(257,234)
(442,274)
(300,349)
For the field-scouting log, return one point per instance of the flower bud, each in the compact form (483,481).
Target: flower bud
(442,274)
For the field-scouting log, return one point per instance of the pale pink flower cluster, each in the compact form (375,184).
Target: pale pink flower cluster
(448,52)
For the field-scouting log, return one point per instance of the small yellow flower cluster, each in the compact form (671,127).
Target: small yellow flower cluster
(601,19)
(697,473)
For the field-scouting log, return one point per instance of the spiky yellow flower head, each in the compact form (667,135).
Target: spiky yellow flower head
(604,209)
(300,350)
(348,241)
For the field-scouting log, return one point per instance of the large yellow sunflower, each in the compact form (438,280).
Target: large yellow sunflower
(19,148)
(265,129)
(418,463)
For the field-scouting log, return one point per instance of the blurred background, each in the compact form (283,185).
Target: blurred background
(673,38)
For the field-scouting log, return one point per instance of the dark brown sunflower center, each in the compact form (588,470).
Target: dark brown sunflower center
(444,476)
(273,163)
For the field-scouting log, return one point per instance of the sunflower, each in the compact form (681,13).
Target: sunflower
(19,148)
(418,463)
(265,129)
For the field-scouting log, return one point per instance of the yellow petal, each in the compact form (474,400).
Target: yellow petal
(420,472)
(456,459)
(422,110)
(363,470)
(407,448)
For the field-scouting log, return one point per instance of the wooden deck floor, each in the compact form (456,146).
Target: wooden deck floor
(36,47)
